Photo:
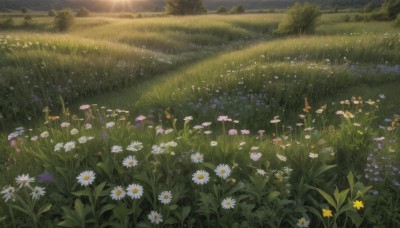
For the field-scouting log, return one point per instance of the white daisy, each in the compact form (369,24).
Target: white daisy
(157,150)
(201,177)
(312,155)
(223,171)
(213,143)
(110,125)
(116,149)
(58,147)
(228,203)
(188,118)
(130,161)
(302,222)
(134,146)
(118,193)
(165,197)
(44,134)
(155,217)
(197,157)
(74,131)
(8,193)
(255,156)
(135,191)
(37,192)
(69,146)
(261,172)
(86,178)
(24,180)
(65,124)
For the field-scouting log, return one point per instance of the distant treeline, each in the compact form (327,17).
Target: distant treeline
(158,5)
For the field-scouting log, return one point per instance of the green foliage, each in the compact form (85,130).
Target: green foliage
(8,22)
(82,12)
(237,9)
(397,21)
(391,8)
(222,10)
(299,19)
(24,10)
(369,7)
(52,13)
(64,20)
(28,20)
(184,7)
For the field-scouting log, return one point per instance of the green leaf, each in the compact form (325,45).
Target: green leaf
(342,197)
(185,212)
(355,218)
(104,168)
(98,190)
(327,198)
(45,208)
(66,223)
(79,208)
(120,212)
(273,195)
(85,192)
(350,178)
(106,208)
(171,221)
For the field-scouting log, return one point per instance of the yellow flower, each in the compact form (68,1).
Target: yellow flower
(326,213)
(358,204)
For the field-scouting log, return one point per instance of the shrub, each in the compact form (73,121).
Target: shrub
(300,19)
(222,10)
(8,22)
(82,12)
(397,21)
(24,10)
(64,20)
(28,20)
(237,9)
(184,7)
(391,8)
(369,7)
(52,13)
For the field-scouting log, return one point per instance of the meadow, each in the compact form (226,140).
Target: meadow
(199,121)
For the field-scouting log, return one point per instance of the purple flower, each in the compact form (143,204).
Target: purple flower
(45,178)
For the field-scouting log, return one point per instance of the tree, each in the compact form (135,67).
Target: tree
(82,12)
(221,10)
(236,9)
(63,20)
(28,20)
(184,7)
(391,8)
(24,10)
(299,19)
(369,7)
(52,13)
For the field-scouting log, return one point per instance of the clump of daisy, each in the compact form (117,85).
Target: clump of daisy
(37,192)
(165,197)
(134,146)
(24,180)
(116,149)
(197,157)
(155,217)
(69,146)
(85,178)
(118,193)
(228,203)
(135,191)
(201,177)
(130,161)
(223,171)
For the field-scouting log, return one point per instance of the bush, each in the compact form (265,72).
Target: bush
(222,10)
(8,22)
(28,20)
(184,7)
(369,7)
(24,10)
(237,9)
(300,19)
(82,12)
(391,8)
(64,20)
(52,13)
(397,21)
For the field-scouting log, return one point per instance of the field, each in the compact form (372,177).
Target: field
(199,121)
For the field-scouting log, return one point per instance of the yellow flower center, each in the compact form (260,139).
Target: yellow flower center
(222,171)
(228,203)
(135,190)
(87,177)
(166,196)
(24,181)
(130,162)
(200,176)
(118,192)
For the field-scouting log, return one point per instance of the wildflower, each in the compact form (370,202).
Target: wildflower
(44,134)
(382,96)
(242,144)
(198,127)
(255,156)
(37,192)
(307,136)
(8,193)
(155,217)
(130,161)
(261,132)
(281,157)
(165,197)
(24,180)
(85,178)
(45,177)
(232,132)
(223,171)
(74,131)
(116,149)
(118,193)
(244,132)
(58,147)
(302,222)
(110,124)
(275,120)
(213,143)
(207,132)
(168,131)
(157,150)
(140,118)
(312,155)
(135,191)
(84,107)
(69,146)
(134,146)
(171,144)
(201,177)
(206,124)
(358,204)
(326,213)
(82,140)
(197,157)
(224,119)
(88,126)
(188,118)
(261,172)
(34,138)
(65,124)
(228,203)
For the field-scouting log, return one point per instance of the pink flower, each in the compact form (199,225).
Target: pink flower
(223,118)
(232,132)
(140,118)
(84,107)
(244,132)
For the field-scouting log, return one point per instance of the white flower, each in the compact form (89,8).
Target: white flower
(228,203)
(88,126)
(242,144)
(83,140)
(84,107)
(312,155)
(65,124)
(135,191)
(281,157)
(171,144)
(223,118)
(74,131)
(58,147)
(302,222)
(69,146)
(85,178)
(206,124)
(8,193)
(34,138)
(24,180)
(232,132)
(168,131)
(244,132)
(155,217)
(307,136)
(157,150)
(44,134)
(134,146)
(213,143)
(201,177)
(223,171)
(118,193)
(116,149)
(254,148)
(197,157)
(198,127)
(207,132)
(188,118)
(261,172)
(110,124)
(275,120)
(165,197)
(37,192)
(255,156)
(130,161)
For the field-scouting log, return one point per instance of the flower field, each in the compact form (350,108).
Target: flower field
(200,121)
